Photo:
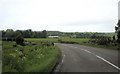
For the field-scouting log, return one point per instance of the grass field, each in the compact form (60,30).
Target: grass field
(35,57)
(110,34)
(42,39)
(81,41)
(78,40)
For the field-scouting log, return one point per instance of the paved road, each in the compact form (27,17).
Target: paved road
(79,58)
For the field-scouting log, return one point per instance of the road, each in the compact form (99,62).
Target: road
(80,58)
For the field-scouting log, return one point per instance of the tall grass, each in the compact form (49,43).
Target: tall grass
(35,58)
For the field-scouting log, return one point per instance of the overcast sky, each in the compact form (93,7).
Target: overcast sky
(59,15)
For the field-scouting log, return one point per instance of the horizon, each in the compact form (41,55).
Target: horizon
(61,31)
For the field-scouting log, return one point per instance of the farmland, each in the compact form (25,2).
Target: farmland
(81,41)
(33,57)
(41,39)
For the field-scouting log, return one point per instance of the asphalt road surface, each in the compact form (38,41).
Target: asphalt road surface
(79,58)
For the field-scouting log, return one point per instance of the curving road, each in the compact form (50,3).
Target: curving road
(79,58)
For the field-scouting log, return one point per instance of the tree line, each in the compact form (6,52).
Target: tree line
(10,34)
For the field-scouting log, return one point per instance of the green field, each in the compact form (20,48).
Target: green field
(41,39)
(78,40)
(110,35)
(35,57)
(81,41)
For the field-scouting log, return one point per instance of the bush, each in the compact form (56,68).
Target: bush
(59,40)
(14,45)
(20,39)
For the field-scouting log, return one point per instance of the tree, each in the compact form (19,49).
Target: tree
(44,34)
(0,35)
(17,32)
(19,39)
(117,28)
(27,33)
(3,33)
(9,33)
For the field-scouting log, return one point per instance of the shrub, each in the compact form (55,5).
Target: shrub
(20,39)
(14,45)
(59,40)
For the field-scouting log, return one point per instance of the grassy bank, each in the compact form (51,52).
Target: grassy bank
(34,57)
(80,41)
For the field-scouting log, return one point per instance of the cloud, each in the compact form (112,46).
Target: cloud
(57,15)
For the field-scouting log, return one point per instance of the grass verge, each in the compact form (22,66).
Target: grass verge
(30,58)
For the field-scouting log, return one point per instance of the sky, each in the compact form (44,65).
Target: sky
(119,10)
(59,15)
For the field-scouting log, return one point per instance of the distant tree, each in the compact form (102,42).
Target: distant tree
(9,33)
(27,33)
(19,39)
(3,33)
(17,32)
(44,34)
(0,35)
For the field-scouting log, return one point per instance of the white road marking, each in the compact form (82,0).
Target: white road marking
(60,64)
(87,51)
(98,57)
(71,46)
(63,58)
(82,49)
(75,47)
(62,61)
(102,59)
(108,62)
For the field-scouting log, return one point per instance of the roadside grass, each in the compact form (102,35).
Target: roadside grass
(0,60)
(0,67)
(35,58)
(81,41)
(0,45)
